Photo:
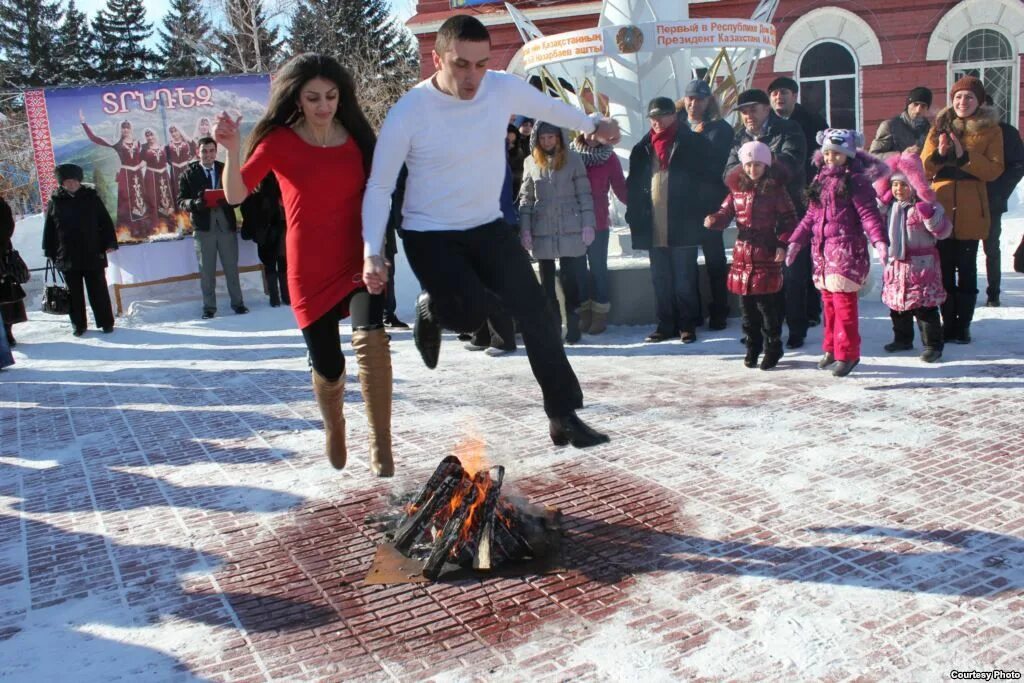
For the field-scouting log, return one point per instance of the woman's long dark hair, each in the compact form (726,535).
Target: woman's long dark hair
(283,108)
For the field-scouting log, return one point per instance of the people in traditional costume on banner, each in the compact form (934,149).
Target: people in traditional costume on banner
(159,196)
(180,153)
(132,209)
(203,130)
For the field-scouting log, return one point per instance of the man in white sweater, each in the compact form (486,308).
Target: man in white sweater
(449,131)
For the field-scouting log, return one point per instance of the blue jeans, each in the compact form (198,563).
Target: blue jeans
(676,288)
(594,286)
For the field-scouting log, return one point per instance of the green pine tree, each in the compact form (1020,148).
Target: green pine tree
(184,40)
(121,34)
(76,47)
(28,41)
(247,43)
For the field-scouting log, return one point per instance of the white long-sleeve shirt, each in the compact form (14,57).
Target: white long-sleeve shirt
(455,152)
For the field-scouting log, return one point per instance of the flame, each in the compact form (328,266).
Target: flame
(472,453)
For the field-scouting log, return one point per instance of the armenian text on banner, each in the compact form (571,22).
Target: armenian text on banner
(134,140)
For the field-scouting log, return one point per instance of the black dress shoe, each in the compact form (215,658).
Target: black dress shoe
(794,342)
(240,309)
(657,336)
(572,430)
(78,331)
(717,322)
(394,323)
(688,337)
(893,347)
(426,332)
(208,313)
(108,329)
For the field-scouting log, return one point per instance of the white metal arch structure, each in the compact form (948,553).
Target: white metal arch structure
(834,24)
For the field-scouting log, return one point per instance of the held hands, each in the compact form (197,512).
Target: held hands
(709,221)
(925,210)
(791,252)
(588,235)
(780,255)
(526,239)
(375,273)
(607,132)
(913,149)
(226,130)
(882,249)
(958,146)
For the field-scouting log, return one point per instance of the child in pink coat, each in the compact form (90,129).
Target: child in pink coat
(842,209)
(913,276)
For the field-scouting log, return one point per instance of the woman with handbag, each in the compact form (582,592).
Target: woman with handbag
(77,236)
(12,296)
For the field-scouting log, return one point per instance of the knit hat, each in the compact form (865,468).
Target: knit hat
(661,106)
(544,128)
(971,83)
(755,151)
(920,94)
(697,88)
(840,140)
(752,96)
(784,82)
(68,172)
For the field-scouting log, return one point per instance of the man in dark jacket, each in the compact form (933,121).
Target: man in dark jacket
(999,191)
(789,146)
(783,92)
(77,236)
(701,112)
(213,221)
(907,131)
(667,170)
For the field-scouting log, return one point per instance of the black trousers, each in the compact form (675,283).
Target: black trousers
(323,340)
(458,267)
(993,256)
(95,283)
(795,293)
(959,259)
(390,303)
(275,267)
(927,319)
(762,319)
(571,271)
(713,245)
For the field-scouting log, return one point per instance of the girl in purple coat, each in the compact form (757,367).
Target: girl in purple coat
(842,208)
(913,276)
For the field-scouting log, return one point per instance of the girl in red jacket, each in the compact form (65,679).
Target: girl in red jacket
(765,217)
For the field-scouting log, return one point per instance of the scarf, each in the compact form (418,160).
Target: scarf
(663,142)
(592,156)
(920,126)
(898,230)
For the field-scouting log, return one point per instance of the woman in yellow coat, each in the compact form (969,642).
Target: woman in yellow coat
(963,152)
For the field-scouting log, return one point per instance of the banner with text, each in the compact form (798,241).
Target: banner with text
(134,140)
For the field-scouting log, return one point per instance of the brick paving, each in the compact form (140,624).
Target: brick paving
(174,510)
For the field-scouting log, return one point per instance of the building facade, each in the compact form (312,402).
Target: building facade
(855,61)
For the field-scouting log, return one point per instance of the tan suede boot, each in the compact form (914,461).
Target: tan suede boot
(373,354)
(599,317)
(330,398)
(584,312)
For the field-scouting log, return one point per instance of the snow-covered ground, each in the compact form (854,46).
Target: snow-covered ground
(202,428)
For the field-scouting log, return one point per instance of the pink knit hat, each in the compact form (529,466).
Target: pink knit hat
(755,151)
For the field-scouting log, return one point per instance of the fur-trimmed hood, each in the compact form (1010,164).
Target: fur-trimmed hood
(738,181)
(864,164)
(984,117)
(909,165)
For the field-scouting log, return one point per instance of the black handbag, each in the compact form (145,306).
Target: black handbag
(12,265)
(11,291)
(57,298)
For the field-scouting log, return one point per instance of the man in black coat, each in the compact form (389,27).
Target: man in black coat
(701,112)
(77,236)
(667,170)
(906,132)
(213,221)
(789,145)
(999,191)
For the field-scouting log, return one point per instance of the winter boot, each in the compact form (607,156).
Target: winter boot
(902,332)
(282,279)
(9,331)
(931,338)
(598,317)
(844,367)
(965,314)
(330,398)
(750,360)
(572,430)
(272,290)
(773,352)
(826,361)
(572,327)
(373,354)
(585,312)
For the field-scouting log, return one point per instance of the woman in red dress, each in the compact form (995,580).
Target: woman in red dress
(159,195)
(317,141)
(132,209)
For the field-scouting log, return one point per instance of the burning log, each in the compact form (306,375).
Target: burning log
(482,557)
(414,526)
(445,543)
(450,466)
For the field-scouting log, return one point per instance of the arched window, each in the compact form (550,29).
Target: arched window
(829,84)
(987,54)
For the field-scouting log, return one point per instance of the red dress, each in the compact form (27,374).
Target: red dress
(322,192)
